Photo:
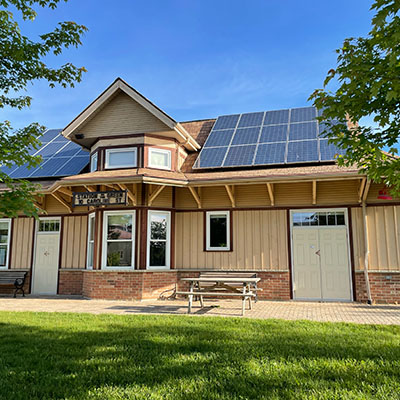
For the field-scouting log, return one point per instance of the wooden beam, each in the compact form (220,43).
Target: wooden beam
(155,194)
(65,191)
(62,201)
(195,196)
(314,192)
(270,187)
(89,188)
(361,189)
(366,190)
(131,196)
(231,193)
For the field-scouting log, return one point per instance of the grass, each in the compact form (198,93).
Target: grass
(81,356)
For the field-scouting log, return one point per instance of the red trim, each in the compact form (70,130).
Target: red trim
(60,251)
(96,239)
(143,240)
(10,246)
(137,223)
(172,241)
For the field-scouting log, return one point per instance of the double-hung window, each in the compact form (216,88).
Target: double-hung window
(118,239)
(158,239)
(5,228)
(121,158)
(159,158)
(217,231)
(90,243)
(93,162)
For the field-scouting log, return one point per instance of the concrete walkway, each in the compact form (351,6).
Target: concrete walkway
(288,310)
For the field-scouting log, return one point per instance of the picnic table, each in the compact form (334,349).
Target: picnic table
(222,284)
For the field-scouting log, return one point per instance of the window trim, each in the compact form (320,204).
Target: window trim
(120,150)
(90,217)
(208,247)
(167,241)
(8,220)
(94,156)
(164,151)
(105,240)
(48,232)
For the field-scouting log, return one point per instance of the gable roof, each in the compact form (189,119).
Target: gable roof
(120,85)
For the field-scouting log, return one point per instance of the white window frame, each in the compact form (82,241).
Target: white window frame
(91,216)
(105,240)
(8,220)
(228,230)
(163,151)
(94,158)
(167,240)
(48,219)
(121,150)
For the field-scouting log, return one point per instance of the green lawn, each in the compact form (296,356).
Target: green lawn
(76,356)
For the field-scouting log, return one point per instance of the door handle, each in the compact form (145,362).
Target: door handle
(318,253)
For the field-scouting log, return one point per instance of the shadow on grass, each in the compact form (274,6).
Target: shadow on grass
(84,356)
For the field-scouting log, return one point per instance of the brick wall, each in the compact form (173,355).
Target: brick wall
(385,287)
(70,282)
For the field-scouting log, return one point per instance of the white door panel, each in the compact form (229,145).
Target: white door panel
(46,264)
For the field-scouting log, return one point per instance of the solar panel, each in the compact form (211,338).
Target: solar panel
(57,152)
(246,136)
(251,119)
(240,155)
(272,137)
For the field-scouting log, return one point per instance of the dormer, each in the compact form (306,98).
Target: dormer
(124,130)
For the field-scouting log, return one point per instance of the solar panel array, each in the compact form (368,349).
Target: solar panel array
(60,157)
(265,138)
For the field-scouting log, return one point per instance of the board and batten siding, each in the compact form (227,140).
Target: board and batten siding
(383,237)
(74,242)
(259,242)
(22,242)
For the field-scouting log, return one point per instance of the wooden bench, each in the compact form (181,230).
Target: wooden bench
(14,278)
(218,284)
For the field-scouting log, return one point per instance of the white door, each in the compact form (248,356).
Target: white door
(45,270)
(321,268)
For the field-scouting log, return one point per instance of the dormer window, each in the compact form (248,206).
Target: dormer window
(93,162)
(125,157)
(159,158)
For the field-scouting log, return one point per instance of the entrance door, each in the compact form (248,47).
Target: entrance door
(321,268)
(45,270)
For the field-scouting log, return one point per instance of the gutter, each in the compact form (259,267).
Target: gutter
(366,255)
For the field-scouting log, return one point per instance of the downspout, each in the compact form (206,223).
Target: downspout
(366,256)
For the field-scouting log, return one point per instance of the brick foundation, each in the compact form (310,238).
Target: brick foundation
(70,282)
(385,287)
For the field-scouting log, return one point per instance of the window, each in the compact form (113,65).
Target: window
(93,162)
(118,239)
(159,158)
(90,245)
(319,218)
(217,230)
(158,239)
(5,227)
(49,225)
(121,158)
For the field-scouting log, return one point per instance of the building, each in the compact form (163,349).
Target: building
(135,200)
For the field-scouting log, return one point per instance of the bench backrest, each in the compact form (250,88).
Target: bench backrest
(11,276)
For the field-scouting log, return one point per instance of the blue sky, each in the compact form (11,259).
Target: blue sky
(197,59)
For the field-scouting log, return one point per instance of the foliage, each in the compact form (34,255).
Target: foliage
(367,80)
(82,356)
(22,63)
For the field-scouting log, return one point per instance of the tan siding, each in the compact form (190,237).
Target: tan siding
(74,242)
(383,237)
(334,192)
(214,197)
(374,192)
(164,199)
(22,242)
(293,194)
(121,115)
(259,242)
(184,199)
(252,195)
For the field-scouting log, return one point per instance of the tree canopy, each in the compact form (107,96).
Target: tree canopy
(22,62)
(366,84)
